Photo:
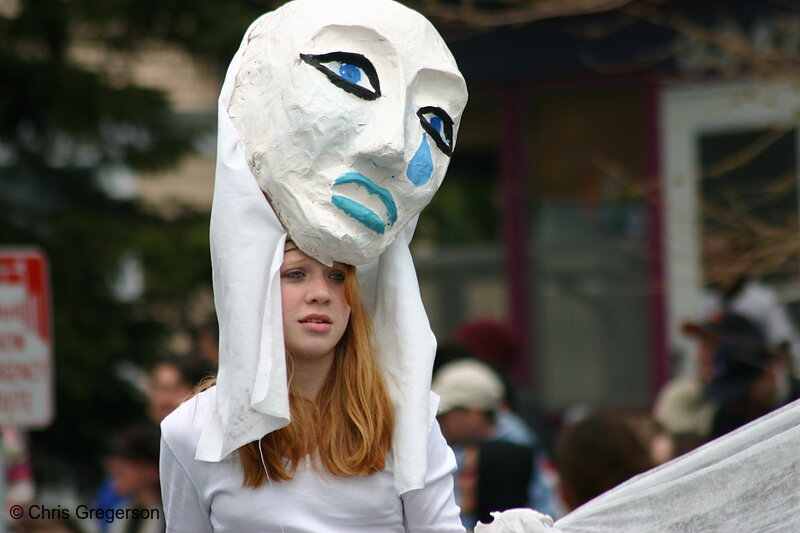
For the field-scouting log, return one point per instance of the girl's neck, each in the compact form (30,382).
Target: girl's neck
(309,375)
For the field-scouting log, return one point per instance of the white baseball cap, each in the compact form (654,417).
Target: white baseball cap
(469,384)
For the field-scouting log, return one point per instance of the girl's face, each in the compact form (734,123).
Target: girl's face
(315,310)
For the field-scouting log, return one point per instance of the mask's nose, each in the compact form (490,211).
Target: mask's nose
(385,147)
(383,138)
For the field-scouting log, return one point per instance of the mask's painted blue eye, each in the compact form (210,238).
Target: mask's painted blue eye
(439,126)
(350,72)
(353,74)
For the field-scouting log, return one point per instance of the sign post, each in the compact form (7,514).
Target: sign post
(26,366)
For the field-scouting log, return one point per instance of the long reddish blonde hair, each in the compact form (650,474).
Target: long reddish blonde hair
(348,430)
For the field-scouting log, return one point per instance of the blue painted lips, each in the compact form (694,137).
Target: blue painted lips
(363,214)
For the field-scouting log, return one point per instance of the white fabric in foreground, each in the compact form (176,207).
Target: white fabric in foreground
(517,521)
(247,243)
(748,480)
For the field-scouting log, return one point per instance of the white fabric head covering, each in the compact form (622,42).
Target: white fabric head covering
(247,244)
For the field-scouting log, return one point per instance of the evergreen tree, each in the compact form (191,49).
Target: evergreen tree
(63,128)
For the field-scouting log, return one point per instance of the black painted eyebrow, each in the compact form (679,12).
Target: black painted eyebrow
(318,62)
(447,125)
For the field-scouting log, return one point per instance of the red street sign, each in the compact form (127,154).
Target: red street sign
(26,366)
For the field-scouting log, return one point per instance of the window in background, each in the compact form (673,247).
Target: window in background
(588,245)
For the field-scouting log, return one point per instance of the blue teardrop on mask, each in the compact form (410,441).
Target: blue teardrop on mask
(420,168)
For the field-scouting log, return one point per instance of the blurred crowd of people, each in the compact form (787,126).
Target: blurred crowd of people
(510,455)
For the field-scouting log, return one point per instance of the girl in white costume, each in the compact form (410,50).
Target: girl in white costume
(330,469)
(336,123)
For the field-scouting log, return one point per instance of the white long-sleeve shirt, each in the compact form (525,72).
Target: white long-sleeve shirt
(201,497)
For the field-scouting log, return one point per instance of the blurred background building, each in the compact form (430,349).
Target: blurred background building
(605,143)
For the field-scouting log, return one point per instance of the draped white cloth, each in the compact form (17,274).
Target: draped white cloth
(748,480)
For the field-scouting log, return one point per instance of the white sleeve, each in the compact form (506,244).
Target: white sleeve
(184,509)
(433,509)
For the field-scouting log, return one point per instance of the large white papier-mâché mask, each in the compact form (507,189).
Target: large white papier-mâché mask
(348,110)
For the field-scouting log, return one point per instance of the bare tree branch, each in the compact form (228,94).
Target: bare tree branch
(467,14)
(747,154)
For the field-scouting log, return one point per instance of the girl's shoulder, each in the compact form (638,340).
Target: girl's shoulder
(181,429)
